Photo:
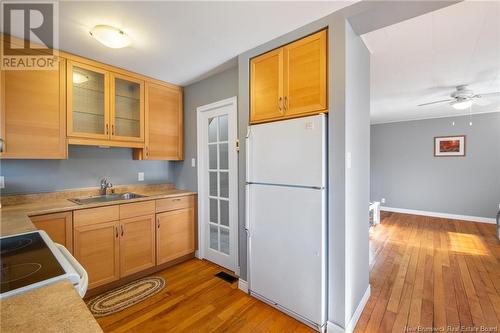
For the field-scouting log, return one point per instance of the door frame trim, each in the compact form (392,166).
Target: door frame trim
(202,180)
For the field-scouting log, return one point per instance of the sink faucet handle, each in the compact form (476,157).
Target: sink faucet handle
(105,184)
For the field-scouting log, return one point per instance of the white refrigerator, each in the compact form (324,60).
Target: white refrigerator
(286,216)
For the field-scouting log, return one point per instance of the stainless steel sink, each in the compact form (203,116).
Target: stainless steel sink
(105,198)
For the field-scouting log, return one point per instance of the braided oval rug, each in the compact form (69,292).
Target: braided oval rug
(125,296)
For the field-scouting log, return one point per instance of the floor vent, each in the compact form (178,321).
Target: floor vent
(226,277)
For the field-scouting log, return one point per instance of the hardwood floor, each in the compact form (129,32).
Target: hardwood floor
(426,272)
(432,273)
(196,301)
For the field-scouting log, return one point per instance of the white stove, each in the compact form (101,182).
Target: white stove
(32,260)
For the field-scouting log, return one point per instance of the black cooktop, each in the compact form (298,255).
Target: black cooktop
(26,259)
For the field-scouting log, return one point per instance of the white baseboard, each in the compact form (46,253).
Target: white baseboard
(333,328)
(243,285)
(197,254)
(442,215)
(355,317)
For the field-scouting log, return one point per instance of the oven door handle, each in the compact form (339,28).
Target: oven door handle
(84,277)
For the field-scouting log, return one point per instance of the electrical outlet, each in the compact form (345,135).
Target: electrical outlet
(193,162)
(382,200)
(140,176)
(2,182)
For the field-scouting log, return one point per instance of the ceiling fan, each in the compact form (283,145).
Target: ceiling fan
(462,98)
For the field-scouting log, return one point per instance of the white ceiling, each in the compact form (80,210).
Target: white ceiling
(180,41)
(422,59)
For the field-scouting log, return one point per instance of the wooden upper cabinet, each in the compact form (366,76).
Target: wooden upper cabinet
(127,108)
(104,106)
(88,101)
(164,123)
(33,113)
(290,81)
(266,86)
(305,75)
(59,227)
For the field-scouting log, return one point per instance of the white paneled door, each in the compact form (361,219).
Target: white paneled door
(217,183)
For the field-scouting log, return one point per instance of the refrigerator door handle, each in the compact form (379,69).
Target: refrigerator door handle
(247,185)
(247,209)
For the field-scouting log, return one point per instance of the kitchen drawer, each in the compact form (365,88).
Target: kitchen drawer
(164,205)
(137,209)
(96,215)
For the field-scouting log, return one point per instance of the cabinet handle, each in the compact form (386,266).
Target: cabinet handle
(116,229)
(176,199)
(112,129)
(107,131)
(121,227)
(285,104)
(1,145)
(158,222)
(147,152)
(279,102)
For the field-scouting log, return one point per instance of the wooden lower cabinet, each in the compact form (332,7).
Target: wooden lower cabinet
(97,249)
(174,234)
(137,244)
(117,241)
(59,227)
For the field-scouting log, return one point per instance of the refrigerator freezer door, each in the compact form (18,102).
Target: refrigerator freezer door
(287,248)
(289,152)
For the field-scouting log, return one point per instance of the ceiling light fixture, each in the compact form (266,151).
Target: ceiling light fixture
(79,78)
(462,105)
(110,36)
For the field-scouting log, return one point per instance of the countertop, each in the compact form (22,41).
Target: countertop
(14,218)
(54,308)
(57,307)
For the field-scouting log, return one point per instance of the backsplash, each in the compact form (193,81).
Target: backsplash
(84,167)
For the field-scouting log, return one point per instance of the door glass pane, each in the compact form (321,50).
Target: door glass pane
(127,108)
(224,212)
(224,184)
(223,156)
(88,101)
(212,130)
(212,157)
(218,174)
(214,238)
(223,128)
(213,184)
(224,240)
(213,211)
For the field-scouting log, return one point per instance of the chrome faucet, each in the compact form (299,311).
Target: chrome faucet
(105,184)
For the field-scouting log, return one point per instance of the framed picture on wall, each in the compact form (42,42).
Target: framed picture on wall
(449,146)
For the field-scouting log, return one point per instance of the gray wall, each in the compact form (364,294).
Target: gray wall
(209,90)
(357,132)
(406,173)
(83,168)
(352,107)
(348,81)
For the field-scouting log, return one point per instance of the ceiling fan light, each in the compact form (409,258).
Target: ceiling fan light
(110,36)
(461,105)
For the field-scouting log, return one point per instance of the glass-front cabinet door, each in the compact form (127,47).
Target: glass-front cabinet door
(87,101)
(127,108)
